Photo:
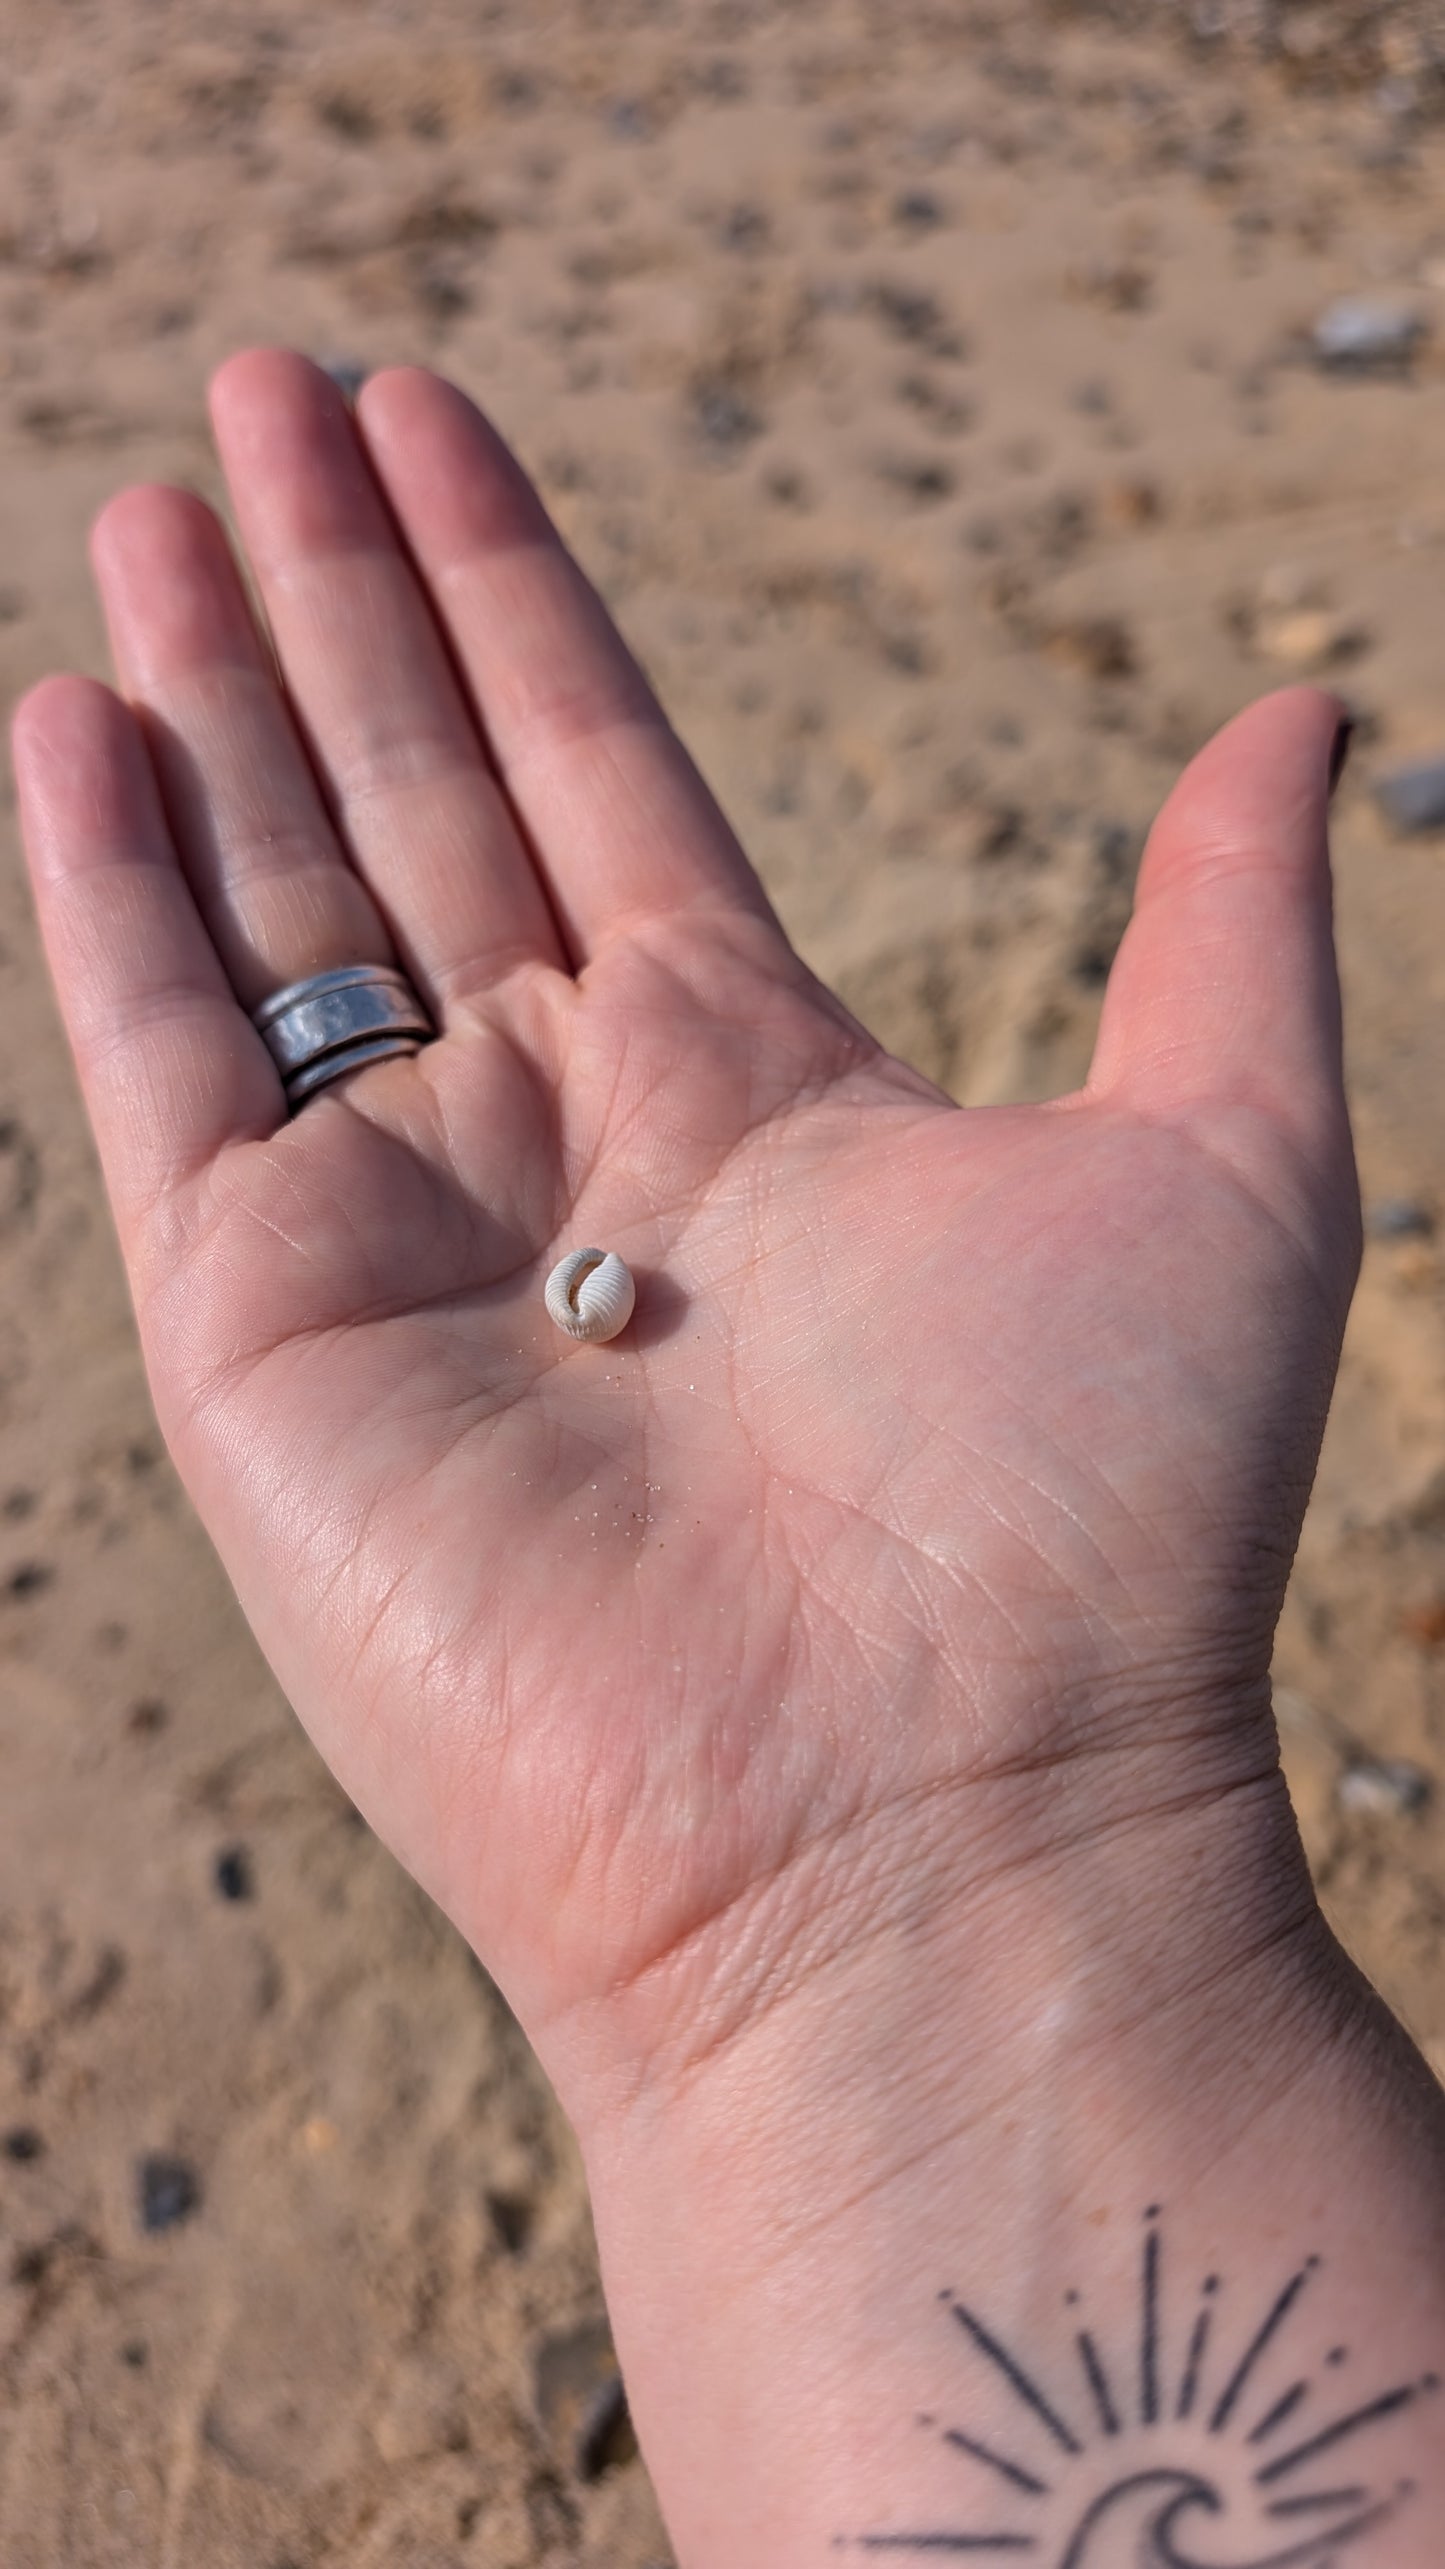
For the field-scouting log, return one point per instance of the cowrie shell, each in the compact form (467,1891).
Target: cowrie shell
(590,1293)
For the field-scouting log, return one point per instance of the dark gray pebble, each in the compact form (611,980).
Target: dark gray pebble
(580,2400)
(917,209)
(233,1876)
(605,2437)
(22,2144)
(1413,797)
(725,416)
(630,120)
(1399,1217)
(347,373)
(29,1580)
(168,2191)
(511,2216)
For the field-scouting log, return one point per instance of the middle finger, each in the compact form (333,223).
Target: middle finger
(399,754)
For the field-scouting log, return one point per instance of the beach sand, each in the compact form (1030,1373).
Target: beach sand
(930,391)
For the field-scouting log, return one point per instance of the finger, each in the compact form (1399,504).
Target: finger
(614,810)
(1224,993)
(273,886)
(171,1070)
(365,668)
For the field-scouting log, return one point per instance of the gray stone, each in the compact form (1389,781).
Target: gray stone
(1413,797)
(1360,333)
(347,373)
(1399,1217)
(168,2190)
(1383,1787)
(580,2400)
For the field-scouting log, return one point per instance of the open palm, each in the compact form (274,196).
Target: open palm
(948,1453)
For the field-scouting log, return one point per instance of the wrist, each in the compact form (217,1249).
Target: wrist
(982,2092)
(1037,1901)
(1182,1952)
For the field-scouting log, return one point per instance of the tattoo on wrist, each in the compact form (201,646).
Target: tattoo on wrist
(1204,2435)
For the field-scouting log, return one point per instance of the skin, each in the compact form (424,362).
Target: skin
(800,1701)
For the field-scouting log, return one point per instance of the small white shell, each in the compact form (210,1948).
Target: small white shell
(590,1293)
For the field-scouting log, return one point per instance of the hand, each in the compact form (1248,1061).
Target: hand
(838,1709)
(945,1449)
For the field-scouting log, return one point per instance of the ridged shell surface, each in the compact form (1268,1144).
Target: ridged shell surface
(590,1294)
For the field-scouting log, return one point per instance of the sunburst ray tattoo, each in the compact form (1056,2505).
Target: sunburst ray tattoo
(1201,2441)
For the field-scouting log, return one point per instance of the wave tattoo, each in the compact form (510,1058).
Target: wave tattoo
(1200,2442)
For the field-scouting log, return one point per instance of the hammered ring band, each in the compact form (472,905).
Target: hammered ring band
(333,1022)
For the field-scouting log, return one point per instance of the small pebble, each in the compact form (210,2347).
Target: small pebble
(347,373)
(512,2218)
(1359,333)
(1133,501)
(1383,1788)
(580,2400)
(23,2144)
(1307,637)
(725,416)
(30,1580)
(1121,285)
(629,120)
(744,227)
(1413,797)
(1400,1217)
(1099,646)
(233,1877)
(917,209)
(168,2191)
(606,2437)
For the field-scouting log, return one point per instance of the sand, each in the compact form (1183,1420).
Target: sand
(929,390)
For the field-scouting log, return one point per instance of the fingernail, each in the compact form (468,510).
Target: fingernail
(1340,750)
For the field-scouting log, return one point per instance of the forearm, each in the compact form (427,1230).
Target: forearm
(1036,2219)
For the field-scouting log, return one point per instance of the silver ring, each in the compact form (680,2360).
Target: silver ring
(332,1022)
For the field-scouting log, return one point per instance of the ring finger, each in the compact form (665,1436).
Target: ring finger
(276,891)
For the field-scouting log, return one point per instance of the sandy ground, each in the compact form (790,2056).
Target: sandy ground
(927,389)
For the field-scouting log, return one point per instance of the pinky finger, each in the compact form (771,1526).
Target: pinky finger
(170,1067)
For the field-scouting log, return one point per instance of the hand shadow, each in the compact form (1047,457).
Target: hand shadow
(662,1307)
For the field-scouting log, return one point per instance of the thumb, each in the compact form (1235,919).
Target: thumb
(1224,994)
